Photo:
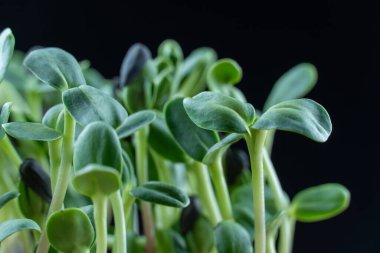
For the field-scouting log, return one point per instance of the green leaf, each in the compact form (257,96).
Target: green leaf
(224,72)
(162,142)
(320,202)
(8,196)
(193,140)
(7,44)
(302,116)
(31,131)
(171,50)
(5,111)
(97,179)
(190,79)
(70,230)
(53,118)
(160,193)
(218,112)
(135,122)
(221,147)
(88,104)
(201,238)
(232,238)
(9,227)
(295,83)
(55,67)
(98,144)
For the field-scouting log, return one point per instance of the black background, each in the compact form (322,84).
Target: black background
(266,38)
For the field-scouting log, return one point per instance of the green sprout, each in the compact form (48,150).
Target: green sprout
(147,162)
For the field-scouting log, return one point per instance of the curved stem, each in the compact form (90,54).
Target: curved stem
(217,176)
(120,224)
(206,193)
(63,176)
(100,217)
(142,175)
(255,145)
(55,158)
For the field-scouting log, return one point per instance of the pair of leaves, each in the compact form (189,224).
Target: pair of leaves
(7,43)
(320,202)
(160,193)
(303,116)
(97,160)
(172,51)
(70,230)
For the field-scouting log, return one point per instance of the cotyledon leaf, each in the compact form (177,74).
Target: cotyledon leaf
(320,202)
(9,227)
(31,131)
(161,193)
(88,104)
(7,43)
(134,122)
(8,196)
(221,146)
(55,67)
(193,140)
(218,112)
(295,83)
(5,111)
(303,116)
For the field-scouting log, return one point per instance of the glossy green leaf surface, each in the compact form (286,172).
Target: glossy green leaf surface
(7,43)
(31,131)
(295,83)
(230,237)
(224,72)
(9,227)
(8,196)
(70,230)
(135,122)
(302,116)
(55,67)
(98,144)
(5,111)
(161,193)
(218,112)
(162,142)
(221,147)
(87,104)
(97,179)
(193,140)
(320,202)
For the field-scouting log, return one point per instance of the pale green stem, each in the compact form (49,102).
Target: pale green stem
(55,159)
(120,226)
(206,193)
(269,140)
(271,245)
(63,176)
(142,175)
(255,145)
(128,201)
(217,176)
(281,202)
(100,217)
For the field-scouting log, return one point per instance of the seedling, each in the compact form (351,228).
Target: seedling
(165,130)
